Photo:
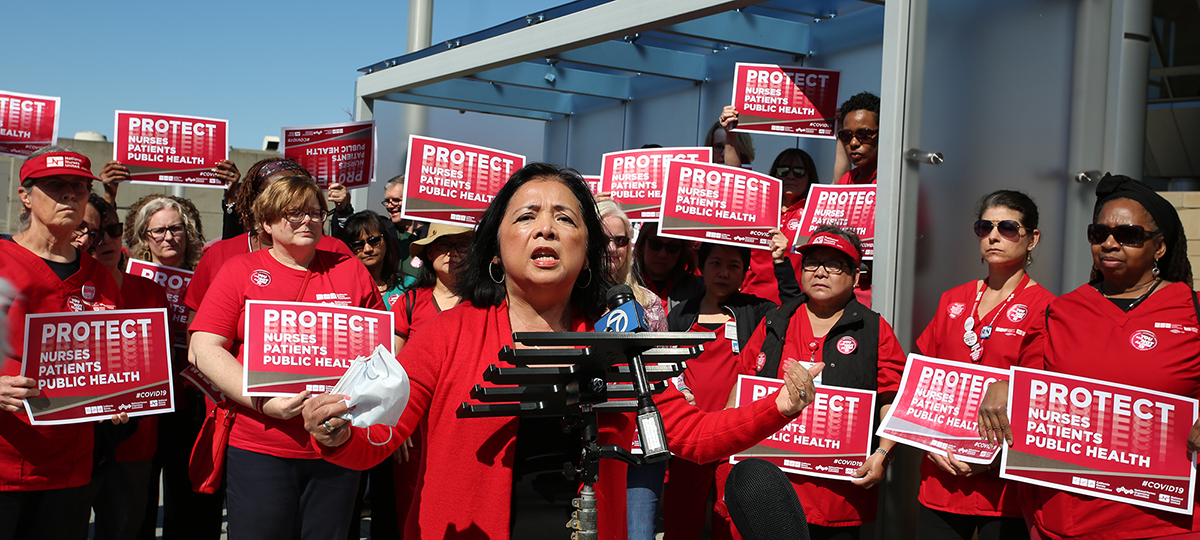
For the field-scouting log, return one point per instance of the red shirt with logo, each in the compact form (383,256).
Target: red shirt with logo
(140,293)
(258,276)
(826,502)
(216,255)
(46,457)
(1155,346)
(981,494)
(760,277)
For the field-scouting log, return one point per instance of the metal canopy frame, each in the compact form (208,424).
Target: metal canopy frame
(589,53)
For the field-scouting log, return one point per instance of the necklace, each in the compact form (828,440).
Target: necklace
(1138,300)
(973,340)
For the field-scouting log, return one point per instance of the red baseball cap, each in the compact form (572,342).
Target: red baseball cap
(834,241)
(57,163)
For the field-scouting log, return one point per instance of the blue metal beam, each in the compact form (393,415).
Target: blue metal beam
(635,58)
(400,97)
(559,79)
(746,30)
(487,93)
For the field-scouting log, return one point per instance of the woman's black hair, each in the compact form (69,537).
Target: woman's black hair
(373,224)
(102,207)
(1012,200)
(862,101)
(476,283)
(848,235)
(707,247)
(810,166)
(685,265)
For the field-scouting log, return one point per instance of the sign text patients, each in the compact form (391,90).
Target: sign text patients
(446,176)
(292,348)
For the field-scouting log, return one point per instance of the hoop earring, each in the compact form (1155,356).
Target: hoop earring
(492,274)
(1155,271)
(589,280)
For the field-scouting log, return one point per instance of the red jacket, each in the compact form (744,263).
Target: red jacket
(46,457)
(468,462)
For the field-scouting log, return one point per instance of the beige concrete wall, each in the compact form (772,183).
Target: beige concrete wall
(207,200)
(1188,205)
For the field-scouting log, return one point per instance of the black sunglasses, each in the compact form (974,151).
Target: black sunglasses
(619,241)
(658,245)
(113,230)
(798,172)
(1008,228)
(863,135)
(1126,235)
(358,245)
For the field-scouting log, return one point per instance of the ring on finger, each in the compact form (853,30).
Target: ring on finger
(328,427)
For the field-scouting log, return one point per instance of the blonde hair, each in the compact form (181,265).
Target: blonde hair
(139,218)
(285,193)
(623,273)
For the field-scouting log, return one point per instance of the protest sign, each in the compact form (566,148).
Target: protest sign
(175,281)
(937,408)
(295,346)
(451,182)
(635,178)
(849,207)
(593,182)
(92,365)
(1106,440)
(705,202)
(202,383)
(785,100)
(333,153)
(830,439)
(27,122)
(171,149)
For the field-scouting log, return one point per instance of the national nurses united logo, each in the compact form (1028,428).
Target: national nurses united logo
(54,161)
(793,225)
(846,345)
(260,277)
(1143,340)
(956,309)
(760,362)
(1017,313)
(74,303)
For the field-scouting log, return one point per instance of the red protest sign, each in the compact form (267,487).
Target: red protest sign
(450,182)
(830,439)
(594,183)
(849,207)
(175,281)
(715,203)
(635,178)
(1106,440)
(785,100)
(295,346)
(92,365)
(937,408)
(202,383)
(333,153)
(170,149)
(27,122)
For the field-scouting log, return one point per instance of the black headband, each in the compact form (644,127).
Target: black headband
(1161,211)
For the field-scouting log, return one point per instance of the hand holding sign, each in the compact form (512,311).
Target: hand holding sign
(13,390)
(952,465)
(285,408)
(798,391)
(993,415)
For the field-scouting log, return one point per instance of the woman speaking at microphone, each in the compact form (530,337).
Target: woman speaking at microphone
(827,325)
(537,264)
(983,322)
(1140,281)
(276,484)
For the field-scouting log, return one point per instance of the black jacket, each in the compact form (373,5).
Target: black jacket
(859,369)
(747,310)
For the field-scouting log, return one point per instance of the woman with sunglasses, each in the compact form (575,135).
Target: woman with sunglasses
(366,235)
(733,316)
(795,168)
(276,484)
(859,118)
(667,266)
(826,326)
(1113,329)
(983,322)
(123,470)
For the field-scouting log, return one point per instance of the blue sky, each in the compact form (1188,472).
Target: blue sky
(260,65)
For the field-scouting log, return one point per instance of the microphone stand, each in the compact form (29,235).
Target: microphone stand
(599,372)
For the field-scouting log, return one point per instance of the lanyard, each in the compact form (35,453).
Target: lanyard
(974,341)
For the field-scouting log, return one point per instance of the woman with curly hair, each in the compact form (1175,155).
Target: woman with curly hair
(165,230)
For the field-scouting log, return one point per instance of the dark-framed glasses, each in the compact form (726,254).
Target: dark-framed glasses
(832,267)
(619,241)
(95,237)
(159,233)
(358,245)
(1126,235)
(797,172)
(863,135)
(297,216)
(656,244)
(394,201)
(1007,228)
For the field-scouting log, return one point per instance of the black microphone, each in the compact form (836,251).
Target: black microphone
(762,503)
(627,315)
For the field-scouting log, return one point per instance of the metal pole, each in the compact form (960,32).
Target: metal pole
(420,35)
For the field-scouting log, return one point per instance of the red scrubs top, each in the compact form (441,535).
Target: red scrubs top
(760,277)
(981,494)
(140,293)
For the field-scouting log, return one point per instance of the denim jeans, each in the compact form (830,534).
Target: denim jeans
(644,486)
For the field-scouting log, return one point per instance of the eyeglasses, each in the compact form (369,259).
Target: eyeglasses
(832,267)
(863,135)
(798,172)
(112,230)
(447,246)
(159,233)
(619,241)
(1126,235)
(297,216)
(1008,228)
(655,244)
(358,245)
(394,201)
